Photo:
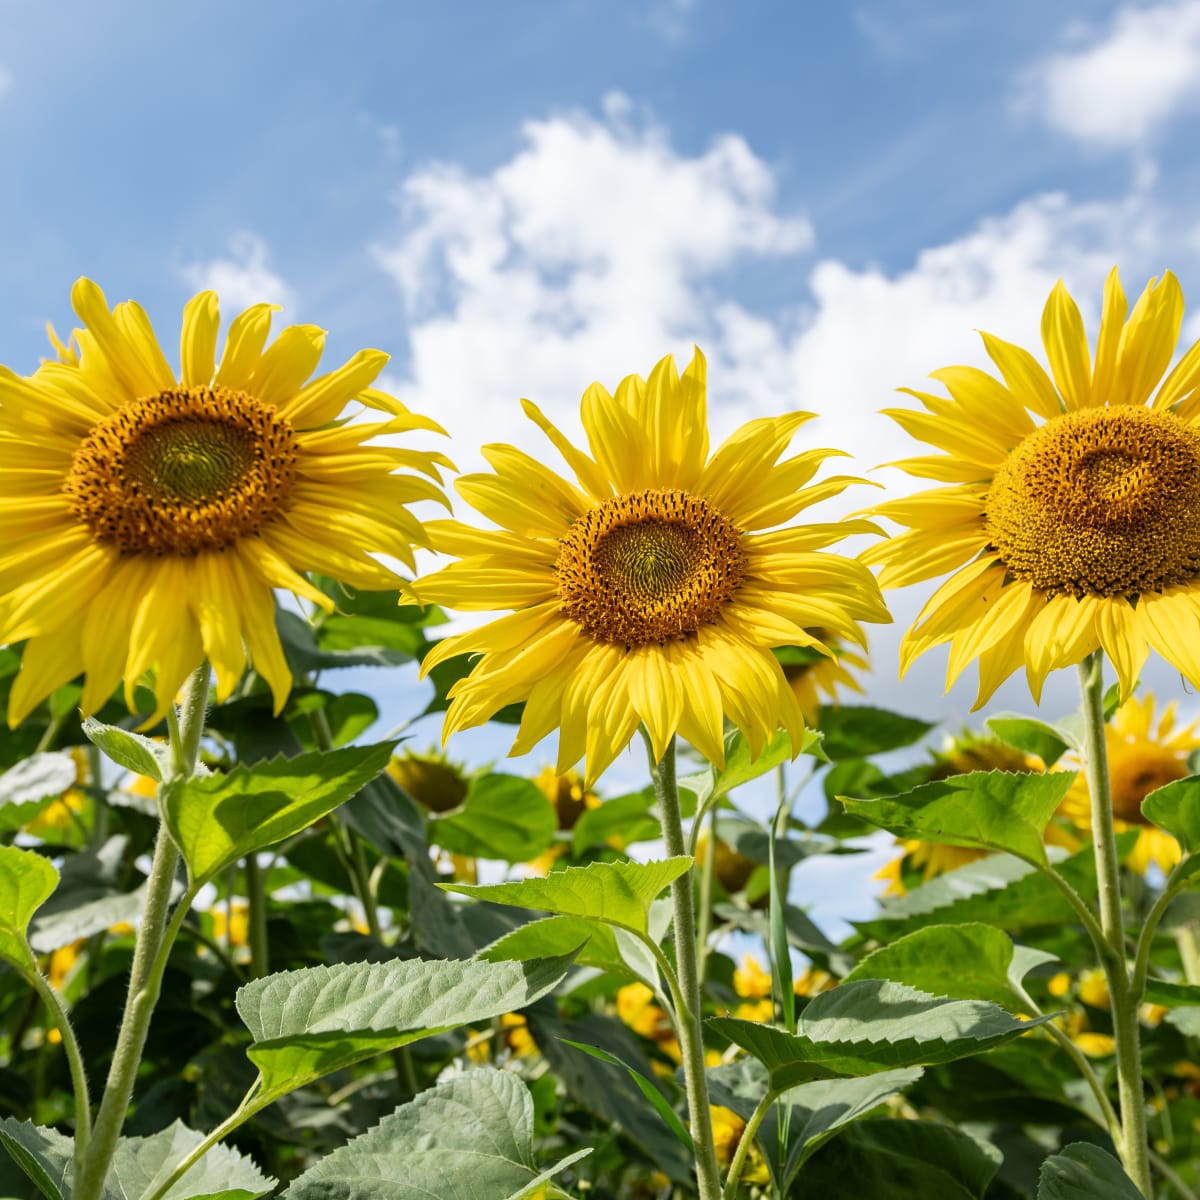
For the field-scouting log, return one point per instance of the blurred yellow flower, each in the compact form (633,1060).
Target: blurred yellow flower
(1143,754)
(430,779)
(1095,1045)
(732,869)
(636,1006)
(816,680)
(1093,988)
(728,1128)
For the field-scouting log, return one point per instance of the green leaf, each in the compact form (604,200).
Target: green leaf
(987,810)
(741,768)
(999,890)
(900,1160)
(1176,808)
(127,749)
(615,893)
(306,657)
(656,1098)
(1083,1172)
(221,818)
(43,1154)
(628,818)
(871,1025)
(307,1023)
(503,817)
(1172,995)
(1030,736)
(964,962)
(26,883)
(466,1139)
(611,950)
(37,778)
(140,1164)
(858,731)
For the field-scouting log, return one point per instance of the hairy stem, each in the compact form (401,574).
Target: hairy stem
(1133,1145)
(83,1114)
(691,1040)
(745,1145)
(150,953)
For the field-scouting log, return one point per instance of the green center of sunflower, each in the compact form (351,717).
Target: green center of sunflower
(1103,501)
(188,470)
(649,566)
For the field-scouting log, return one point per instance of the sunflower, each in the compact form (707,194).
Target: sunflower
(145,519)
(650,590)
(1143,754)
(815,679)
(1072,519)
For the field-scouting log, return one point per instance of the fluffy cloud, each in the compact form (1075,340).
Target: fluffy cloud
(1118,87)
(241,278)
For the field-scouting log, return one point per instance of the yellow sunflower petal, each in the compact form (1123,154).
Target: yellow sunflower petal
(198,340)
(1148,340)
(243,345)
(1112,324)
(1067,347)
(1024,376)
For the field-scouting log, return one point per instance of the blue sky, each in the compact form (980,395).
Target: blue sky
(515,199)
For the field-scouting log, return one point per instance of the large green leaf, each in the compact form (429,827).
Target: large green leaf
(307,1023)
(37,777)
(503,817)
(1172,995)
(26,882)
(999,890)
(221,818)
(142,1163)
(139,1166)
(986,810)
(873,1025)
(629,819)
(900,1160)
(615,893)
(858,731)
(816,1110)
(1084,1172)
(468,1139)
(1176,808)
(965,962)
(612,950)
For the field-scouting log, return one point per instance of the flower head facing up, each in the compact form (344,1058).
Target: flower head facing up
(1144,753)
(651,588)
(1072,519)
(146,519)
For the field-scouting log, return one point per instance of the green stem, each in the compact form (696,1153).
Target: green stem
(745,1145)
(149,955)
(1133,1145)
(240,1115)
(83,1104)
(256,895)
(691,1040)
(707,871)
(1176,881)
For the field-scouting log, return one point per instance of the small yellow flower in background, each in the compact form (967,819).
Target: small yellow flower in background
(648,591)
(62,962)
(813,981)
(1072,517)
(728,1128)
(1093,988)
(1059,985)
(637,1007)
(816,680)
(231,924)
(1095,1045)
(750,980)
(430,779)
(146,519)
(1143,754)
(62,814)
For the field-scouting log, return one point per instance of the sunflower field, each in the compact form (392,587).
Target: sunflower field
(253,943)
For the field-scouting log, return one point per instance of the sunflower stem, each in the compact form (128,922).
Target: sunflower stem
(691,1040)
(707,872)
(1133,1146)
(149,958)
(745,1145)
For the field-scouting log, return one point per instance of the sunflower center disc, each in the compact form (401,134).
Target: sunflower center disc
(187,470)
(1136,771)
(649,566)
(1104,502)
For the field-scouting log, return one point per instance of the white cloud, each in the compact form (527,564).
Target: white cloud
(243,277)
(1117,88)
(600,246)
(589,255)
